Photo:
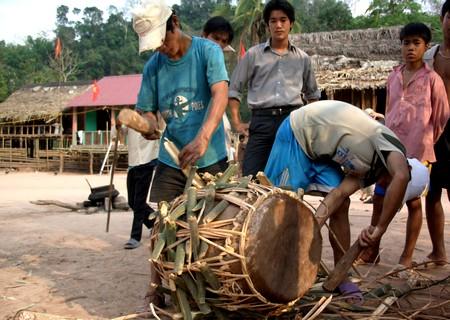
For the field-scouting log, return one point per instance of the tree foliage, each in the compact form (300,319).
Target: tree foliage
(384,13)
(97,44)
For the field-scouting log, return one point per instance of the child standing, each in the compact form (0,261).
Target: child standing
(417,111)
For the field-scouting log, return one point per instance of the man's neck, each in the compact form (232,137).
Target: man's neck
(185,43)
(445,46)
(279,45)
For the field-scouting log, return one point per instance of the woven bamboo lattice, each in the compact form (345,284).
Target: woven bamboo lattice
(202,260)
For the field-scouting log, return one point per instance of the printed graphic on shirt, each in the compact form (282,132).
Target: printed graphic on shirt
(180,106)
(350,162)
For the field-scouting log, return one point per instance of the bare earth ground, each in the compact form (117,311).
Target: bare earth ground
(57,261)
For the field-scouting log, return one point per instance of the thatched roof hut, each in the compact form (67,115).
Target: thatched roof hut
(337,73)
(368,44)
(40,102)
(352,59)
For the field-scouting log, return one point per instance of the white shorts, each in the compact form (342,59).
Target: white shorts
(420,178)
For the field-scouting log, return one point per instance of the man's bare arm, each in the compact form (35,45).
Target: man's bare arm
(399,171)
(336,197)
(236,121)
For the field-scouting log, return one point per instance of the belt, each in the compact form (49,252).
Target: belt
(276,111)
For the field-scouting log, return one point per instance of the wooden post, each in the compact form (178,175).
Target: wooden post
(74,127)
(61,161)
(113,118)
(10,152)
(374,99)
(363,102)
(36,152)
(46,153)
(91,162)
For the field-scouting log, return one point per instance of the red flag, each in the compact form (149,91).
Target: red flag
(95,90)
(58,48)
(241,50)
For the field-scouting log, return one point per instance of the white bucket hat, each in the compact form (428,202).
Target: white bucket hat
(149,22)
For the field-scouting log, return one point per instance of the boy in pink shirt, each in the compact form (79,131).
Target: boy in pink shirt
(416,111)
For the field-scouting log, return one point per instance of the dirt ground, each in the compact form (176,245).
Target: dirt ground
(62,262)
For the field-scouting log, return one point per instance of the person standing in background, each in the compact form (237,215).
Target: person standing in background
(279,75)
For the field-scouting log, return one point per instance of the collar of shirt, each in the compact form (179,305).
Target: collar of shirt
(419,73)
(291,46)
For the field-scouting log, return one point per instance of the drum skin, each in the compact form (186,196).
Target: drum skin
(282,248)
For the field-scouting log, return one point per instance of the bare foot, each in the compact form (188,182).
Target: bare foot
(436,260)
(406,261)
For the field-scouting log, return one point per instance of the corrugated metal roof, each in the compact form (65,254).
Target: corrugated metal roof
(112,91)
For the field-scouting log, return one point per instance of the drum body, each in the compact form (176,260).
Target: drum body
(261,245)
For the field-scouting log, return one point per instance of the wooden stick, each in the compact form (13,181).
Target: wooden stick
(340,270)
(57,203)
(382,308)
(26,315)
(111,188)
(135,121)
(263,179)
(173,152)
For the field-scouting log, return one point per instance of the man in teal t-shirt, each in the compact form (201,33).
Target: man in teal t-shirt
(187,82)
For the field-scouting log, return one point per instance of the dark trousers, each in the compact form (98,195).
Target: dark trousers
(169,182)
(262,132)
(138,184)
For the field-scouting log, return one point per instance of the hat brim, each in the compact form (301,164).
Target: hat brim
(152,39)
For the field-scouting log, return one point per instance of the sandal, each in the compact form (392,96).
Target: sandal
(351,292)
(131,244)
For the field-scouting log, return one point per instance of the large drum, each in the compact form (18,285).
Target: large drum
(236,245)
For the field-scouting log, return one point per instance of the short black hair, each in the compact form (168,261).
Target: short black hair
(282,5)
(218,24)
(445,8)
(169,24)
(416,29)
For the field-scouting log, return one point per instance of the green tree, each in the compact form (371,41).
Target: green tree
(194,13)
(384,13)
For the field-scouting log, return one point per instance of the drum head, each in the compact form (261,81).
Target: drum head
(282,248)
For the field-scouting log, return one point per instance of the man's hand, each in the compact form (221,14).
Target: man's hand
(238,125)
(153,132)
(370,236)
(241,128)
(155,135)
(193,151)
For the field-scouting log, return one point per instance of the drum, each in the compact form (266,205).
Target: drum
(236,245)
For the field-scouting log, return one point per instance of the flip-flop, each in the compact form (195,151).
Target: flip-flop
(131,244)
(351,292)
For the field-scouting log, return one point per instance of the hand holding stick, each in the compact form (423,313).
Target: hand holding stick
(137,122)
(173,152)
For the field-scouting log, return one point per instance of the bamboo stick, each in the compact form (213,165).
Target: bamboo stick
(173,152)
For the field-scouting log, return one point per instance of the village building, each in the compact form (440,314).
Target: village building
(353,65)
(66,126)
(32,133)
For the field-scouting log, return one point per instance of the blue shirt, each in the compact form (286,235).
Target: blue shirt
(180,90)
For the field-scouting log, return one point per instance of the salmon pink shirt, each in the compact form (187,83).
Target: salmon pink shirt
(418,113)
